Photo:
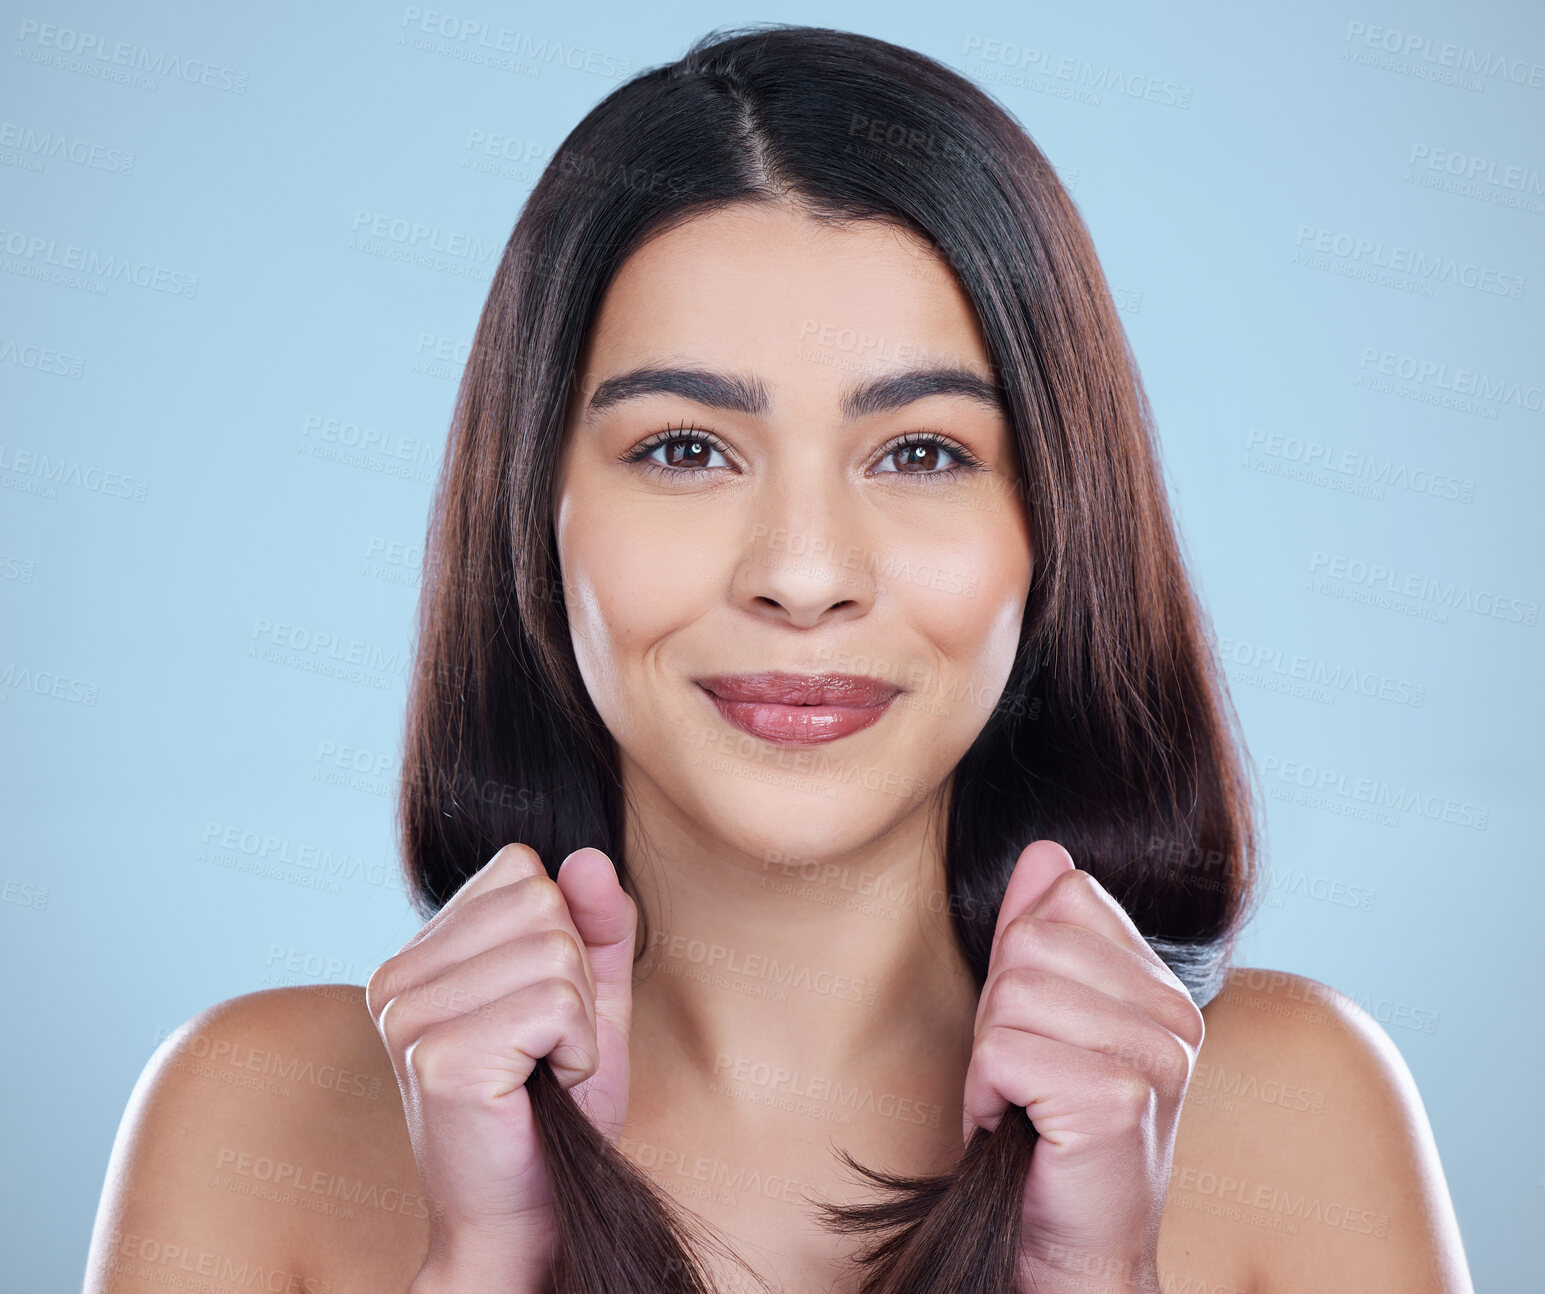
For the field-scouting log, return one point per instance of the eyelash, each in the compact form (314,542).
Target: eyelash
(965,460)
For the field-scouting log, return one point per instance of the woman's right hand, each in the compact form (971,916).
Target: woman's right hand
(515,967)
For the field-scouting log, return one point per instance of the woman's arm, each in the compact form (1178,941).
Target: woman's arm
(174,1201)
(264,1147)
(1352,1188)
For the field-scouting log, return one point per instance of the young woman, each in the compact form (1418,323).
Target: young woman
(831,823)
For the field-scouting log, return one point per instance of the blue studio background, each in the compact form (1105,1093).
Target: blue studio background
(1324,228)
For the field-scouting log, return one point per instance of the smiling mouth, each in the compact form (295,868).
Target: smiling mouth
(799,709)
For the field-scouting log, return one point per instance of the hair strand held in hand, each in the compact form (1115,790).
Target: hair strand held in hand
(616,1230)
(952,1233)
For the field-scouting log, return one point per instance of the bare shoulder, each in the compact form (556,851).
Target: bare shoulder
(1304,1130)
(264,1140)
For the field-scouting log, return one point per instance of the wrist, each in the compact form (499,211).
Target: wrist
(1063,1270)
(436,1278)
(472,1270)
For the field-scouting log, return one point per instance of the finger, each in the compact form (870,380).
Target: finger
(468,987)
(1081,953)
(1069,1011)
(1080,899)
(545,1019)
(480,922)
(1076,1098)
(1038,865)
(513,863)
(606,919)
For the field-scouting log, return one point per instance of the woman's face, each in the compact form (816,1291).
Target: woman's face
(795,528)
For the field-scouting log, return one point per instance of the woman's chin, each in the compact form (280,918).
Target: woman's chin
(794,817)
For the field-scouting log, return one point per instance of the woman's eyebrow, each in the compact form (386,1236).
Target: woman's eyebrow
(739,393)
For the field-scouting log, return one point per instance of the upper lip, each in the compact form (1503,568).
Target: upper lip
(854,690)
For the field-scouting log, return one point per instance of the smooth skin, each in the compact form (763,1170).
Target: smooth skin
(785,535)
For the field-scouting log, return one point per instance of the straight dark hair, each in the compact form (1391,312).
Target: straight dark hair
(1114,735)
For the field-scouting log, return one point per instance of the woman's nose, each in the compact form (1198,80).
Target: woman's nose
(808,558)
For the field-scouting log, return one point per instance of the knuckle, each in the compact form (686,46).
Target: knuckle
(1012,985)
(378,988)
(1159,1055)
(429,1059)
(540,898)
(514,854)
(393,1024)
(1174,1009)
(1077,883)
(1130,1093)
(1189,1023)
(1021,936)
(559,950)
(989,1052)
(1069,894)
(1172,1065)
(572,1065)
(561,997)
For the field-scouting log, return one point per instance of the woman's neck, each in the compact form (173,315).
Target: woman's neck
(835,967)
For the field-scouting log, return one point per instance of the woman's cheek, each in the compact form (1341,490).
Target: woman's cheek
(967,601)
(630,582)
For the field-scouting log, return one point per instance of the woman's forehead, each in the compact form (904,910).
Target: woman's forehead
(764,287)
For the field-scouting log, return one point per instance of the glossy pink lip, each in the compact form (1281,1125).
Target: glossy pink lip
(799,709)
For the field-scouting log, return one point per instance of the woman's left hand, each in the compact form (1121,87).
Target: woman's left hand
(1083,1025)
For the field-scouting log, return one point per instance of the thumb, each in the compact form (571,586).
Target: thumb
(1038,865)
(606,918)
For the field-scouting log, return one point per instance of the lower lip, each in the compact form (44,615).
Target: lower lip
(797,725)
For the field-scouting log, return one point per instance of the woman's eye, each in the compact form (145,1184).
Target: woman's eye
(689,451)
(922,458)
(681,453)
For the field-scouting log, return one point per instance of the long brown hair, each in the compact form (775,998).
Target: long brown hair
(1114,735)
